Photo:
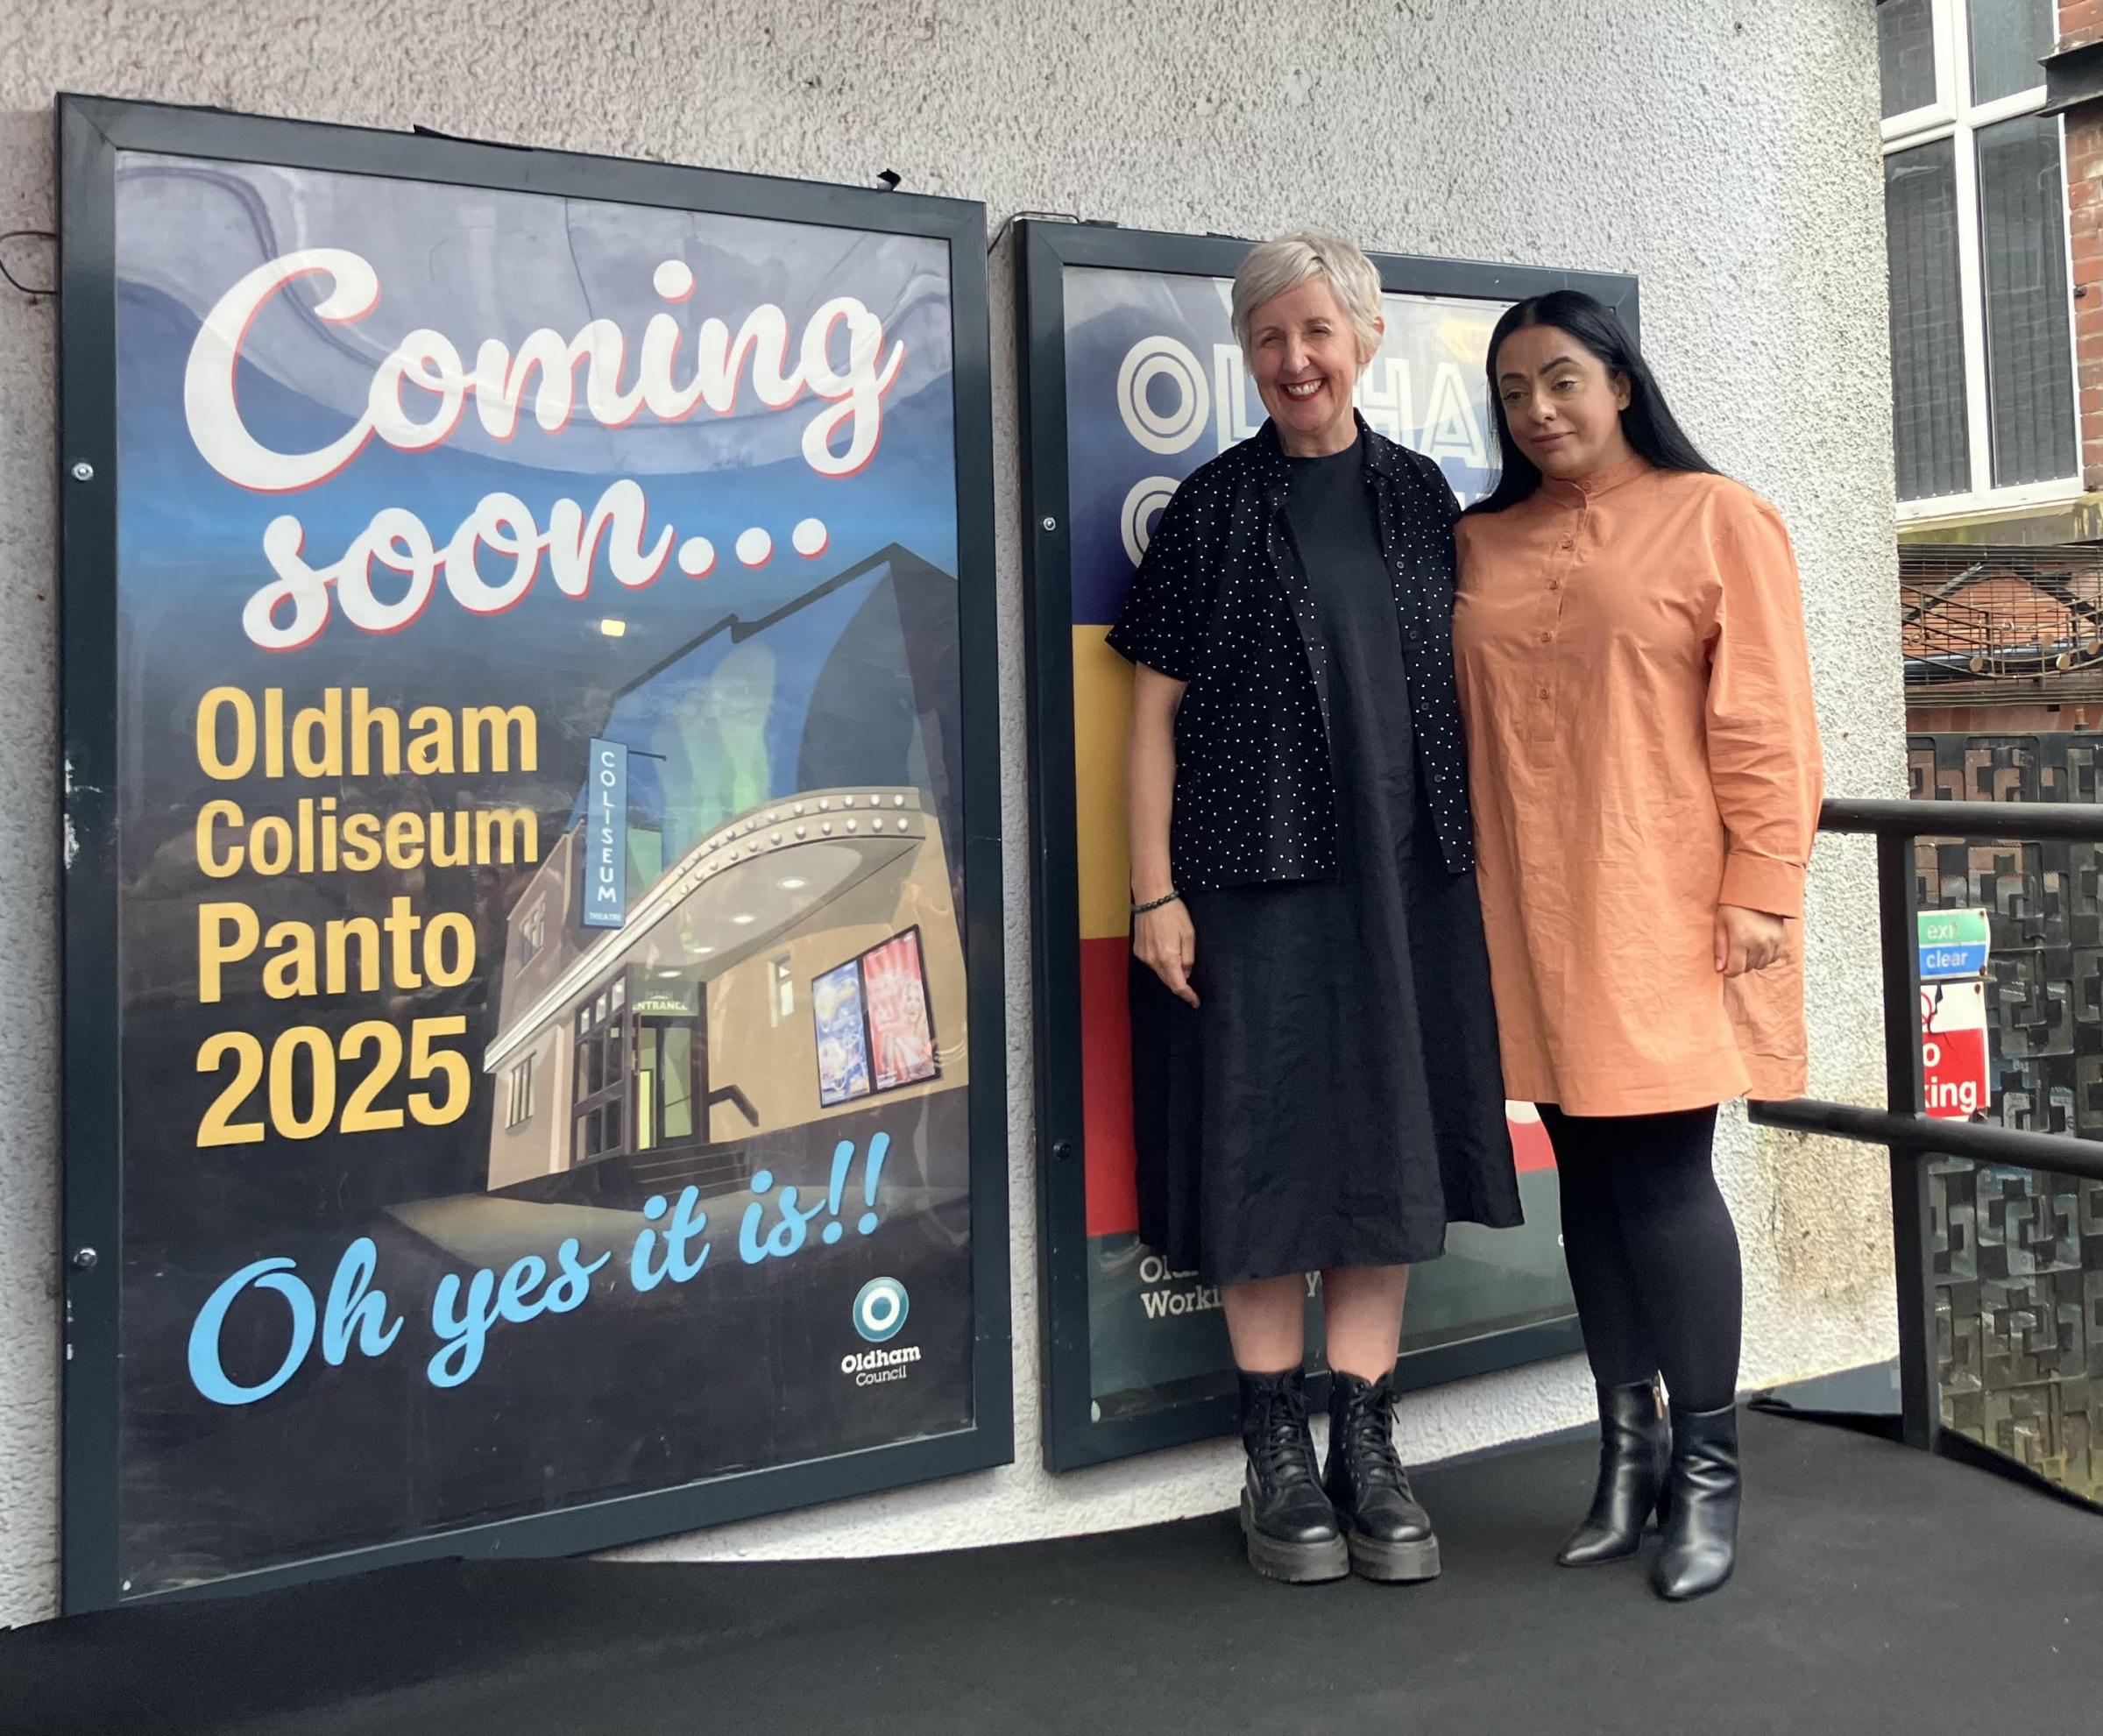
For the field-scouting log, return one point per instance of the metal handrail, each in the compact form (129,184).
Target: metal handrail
(1912,1136)
(1925,1136)
(2037,822)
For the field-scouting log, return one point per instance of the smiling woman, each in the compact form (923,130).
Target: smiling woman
(1305,926)
(1308,337)
(1645,774)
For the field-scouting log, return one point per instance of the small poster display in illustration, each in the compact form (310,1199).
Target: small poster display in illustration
(843,1047)
(902,1038)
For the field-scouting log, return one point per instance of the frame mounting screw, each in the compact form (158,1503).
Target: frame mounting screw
(83,472)
(84,1259)
(1051,523)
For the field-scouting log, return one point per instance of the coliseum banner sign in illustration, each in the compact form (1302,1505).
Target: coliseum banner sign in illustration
(529,717)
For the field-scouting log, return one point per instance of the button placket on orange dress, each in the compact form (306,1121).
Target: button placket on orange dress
(1642,745)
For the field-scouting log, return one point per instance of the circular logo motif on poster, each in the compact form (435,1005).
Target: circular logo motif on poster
(880,1309)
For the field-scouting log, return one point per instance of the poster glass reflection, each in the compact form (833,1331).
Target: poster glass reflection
(1133,381)
(533,623)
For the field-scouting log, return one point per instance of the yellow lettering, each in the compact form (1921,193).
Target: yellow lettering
(507,835)
(292,972)
(402,927)
(431,747)
(435,933)
(366,724)
(404,840)
(217,949)
(342,932)
(242,712)
(476,720)
(210,815)
(361,843)
(270,844)
(448,852)
(317,737)
(273,731)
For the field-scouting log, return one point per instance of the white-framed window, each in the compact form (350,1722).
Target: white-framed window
(521,1106)
(533,931)
(1982,355)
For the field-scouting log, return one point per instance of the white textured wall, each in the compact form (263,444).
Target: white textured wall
(1725,152)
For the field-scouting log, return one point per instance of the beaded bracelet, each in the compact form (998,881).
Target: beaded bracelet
(1155,905)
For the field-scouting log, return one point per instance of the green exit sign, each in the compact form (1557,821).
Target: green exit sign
(1952,928)
(1953,944)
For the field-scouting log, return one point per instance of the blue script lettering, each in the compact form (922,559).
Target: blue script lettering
(570,1289)
(788,1236)
(465,1330)
(354,1306)
(687,1222)
(206,1373)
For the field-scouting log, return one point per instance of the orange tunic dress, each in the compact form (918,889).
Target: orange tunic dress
(1641,748)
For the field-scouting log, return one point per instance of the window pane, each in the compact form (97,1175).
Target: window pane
(2009,39)
(678,1082)
(1906,54)
(1927,322)
(2022,252)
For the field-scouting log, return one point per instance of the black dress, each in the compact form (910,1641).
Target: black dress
(1336,1099)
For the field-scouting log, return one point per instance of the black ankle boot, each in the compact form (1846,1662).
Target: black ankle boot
(1389,1535)
(1700,1526)
(1290,1525)
(1635,1448)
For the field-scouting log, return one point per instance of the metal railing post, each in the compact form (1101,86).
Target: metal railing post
(1913,1139)
(1911,1219)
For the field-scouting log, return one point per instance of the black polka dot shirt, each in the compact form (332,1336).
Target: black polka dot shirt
(1221,602)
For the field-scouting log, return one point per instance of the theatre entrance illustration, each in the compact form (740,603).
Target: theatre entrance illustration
(786,968)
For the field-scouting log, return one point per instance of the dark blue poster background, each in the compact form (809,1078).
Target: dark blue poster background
(439,1206)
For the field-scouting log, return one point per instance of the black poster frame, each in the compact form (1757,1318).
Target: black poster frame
(1047,249)
(92,132)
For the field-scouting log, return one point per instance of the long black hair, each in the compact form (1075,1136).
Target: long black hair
(1647,424)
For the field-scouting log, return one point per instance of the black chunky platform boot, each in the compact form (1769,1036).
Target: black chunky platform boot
(1289,1524)
(1388,1534)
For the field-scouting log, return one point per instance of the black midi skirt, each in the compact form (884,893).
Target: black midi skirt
(1329,1102)
(1336,1099)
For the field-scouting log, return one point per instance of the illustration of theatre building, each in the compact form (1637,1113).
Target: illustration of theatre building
(781,971)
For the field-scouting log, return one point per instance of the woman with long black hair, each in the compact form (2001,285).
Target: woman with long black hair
(1645,774)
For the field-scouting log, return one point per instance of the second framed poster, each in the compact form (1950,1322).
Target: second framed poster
(1132,379)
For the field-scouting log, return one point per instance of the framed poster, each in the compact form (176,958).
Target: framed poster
(1132,379)
(843,1034)
(527,619)
(902,1039)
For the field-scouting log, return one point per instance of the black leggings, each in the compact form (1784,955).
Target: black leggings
(1651,1251)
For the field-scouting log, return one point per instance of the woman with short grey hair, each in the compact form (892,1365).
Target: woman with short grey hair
(1316,1059)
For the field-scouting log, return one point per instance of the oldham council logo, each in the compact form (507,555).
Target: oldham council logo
(880,1309)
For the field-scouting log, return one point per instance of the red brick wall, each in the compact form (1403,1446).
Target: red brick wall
(2028,718)
(2081,22)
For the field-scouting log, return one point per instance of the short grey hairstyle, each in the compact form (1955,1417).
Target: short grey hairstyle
(1278,265)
